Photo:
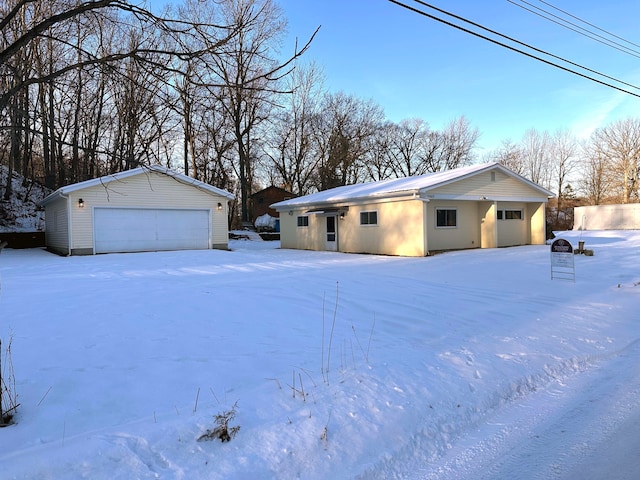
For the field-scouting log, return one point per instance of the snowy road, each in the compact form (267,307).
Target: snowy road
(587,428)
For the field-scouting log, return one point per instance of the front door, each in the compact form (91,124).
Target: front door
(332,234)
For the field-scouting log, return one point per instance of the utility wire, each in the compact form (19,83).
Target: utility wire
(590,24)
(510,47)
(578,29)
(511,39)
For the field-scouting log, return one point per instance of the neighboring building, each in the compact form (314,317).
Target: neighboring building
(261,203)
(607,217)
(480,206)
(144,209)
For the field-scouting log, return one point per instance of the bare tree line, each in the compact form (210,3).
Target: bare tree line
(93,87)
(603,168)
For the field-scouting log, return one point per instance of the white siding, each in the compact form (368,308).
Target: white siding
(303,238)
(513,232)
(399,230)
(57,226)
(484,184)
(466,234)
(147,190)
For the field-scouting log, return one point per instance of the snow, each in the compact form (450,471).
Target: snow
(265,221)
(21,212)
(393,187)
(466,365)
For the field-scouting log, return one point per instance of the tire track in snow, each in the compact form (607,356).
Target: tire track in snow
(585,427)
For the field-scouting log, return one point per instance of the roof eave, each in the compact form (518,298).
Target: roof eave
(375,198)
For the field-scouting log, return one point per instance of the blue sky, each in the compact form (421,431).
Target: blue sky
(416,67)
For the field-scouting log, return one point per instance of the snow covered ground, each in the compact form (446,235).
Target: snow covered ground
(21,213)
(465,365)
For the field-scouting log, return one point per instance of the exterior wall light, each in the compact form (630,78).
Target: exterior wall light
(290,212)
(219,206)
(342,215)
(80,203)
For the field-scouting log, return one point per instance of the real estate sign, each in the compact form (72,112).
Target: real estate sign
(562,265)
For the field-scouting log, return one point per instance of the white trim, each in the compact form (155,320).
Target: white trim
(368,224)
(208,211)
(504,210)
(69,229)
(476,198)
(455,209)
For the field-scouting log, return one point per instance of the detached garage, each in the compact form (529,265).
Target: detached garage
(140,210)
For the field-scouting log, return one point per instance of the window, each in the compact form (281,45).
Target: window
(509,214)
(303,221)
(513,214)
(446,217)
(368,218)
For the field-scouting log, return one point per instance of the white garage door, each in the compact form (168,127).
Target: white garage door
(146,229)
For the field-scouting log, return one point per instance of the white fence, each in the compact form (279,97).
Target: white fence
(607,217)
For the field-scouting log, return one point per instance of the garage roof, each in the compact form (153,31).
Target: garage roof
(137,171)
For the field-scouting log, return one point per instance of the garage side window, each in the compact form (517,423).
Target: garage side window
(303,221)
(446,218)
(369,218)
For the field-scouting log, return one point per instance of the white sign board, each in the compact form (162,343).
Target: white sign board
(562,265)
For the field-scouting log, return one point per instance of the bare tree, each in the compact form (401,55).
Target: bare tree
(594,183)
(343,135)
(510,155)
(250,78)
(79,64)
(290,145)
(536,156)
(619,143)
(411,147)
(459,139)
(379,162)
(564,149)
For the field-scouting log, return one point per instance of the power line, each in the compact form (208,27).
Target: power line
(517,50)
(590,24)
(578,29)
(544,52)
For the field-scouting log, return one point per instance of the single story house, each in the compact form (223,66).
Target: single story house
(607,217)
(143,209)
(479,206)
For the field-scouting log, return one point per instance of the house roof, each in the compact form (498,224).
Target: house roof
(397,187)
(137,171)
(271,188)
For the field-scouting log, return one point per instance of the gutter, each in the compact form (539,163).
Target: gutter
(395,197)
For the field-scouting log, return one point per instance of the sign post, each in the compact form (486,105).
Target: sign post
(562,266)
